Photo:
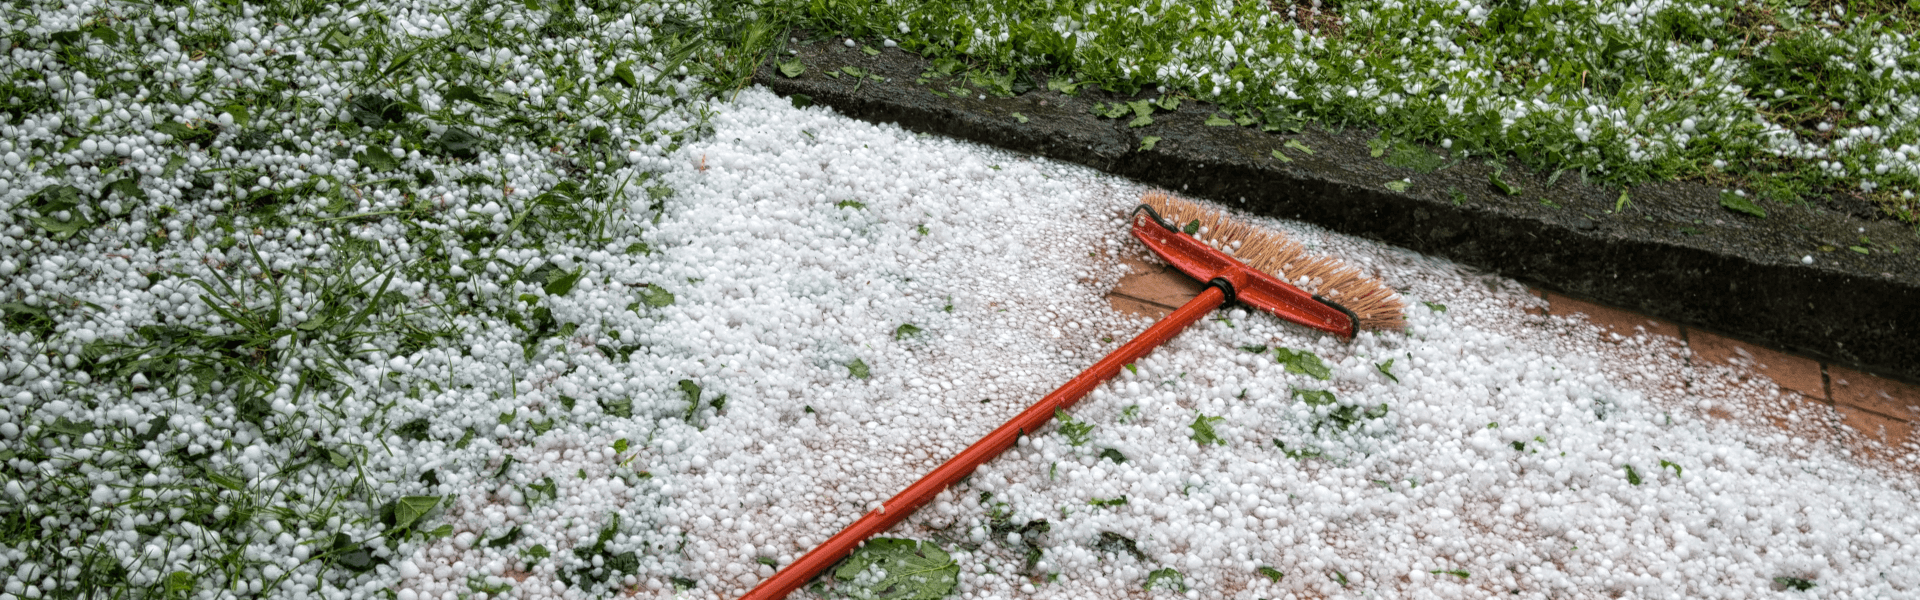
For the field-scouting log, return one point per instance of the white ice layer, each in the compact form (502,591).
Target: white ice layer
(1504,465)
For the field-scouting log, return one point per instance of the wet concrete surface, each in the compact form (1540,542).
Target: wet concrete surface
(1674,253)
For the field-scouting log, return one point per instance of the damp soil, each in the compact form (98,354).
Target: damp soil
(1674,253)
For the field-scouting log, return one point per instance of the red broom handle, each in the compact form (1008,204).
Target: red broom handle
(902,505)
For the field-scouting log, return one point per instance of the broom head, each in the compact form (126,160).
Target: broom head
(1265,269)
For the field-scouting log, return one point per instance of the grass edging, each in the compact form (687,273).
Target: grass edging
(1682,254)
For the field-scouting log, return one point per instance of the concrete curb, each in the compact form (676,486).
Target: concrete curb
(1676,254)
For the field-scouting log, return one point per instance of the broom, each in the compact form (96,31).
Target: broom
(1238,261)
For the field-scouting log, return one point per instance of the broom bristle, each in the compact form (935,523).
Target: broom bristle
(1377,305)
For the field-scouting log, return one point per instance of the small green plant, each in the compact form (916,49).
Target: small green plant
(1078,432)
(1203,433)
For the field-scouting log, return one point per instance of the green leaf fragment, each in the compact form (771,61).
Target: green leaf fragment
(409,509)
(1113,455)
(870,50)
(1676,468)
(1795,583)
(1502,185)
(1386,368)
(909,570)
(562,282)
(657,296)
(1078,432)
(1461,573)
(1739,203)
(792,68)
(1296,145)
(174,163)
(1315,397)
(1397,185)
(508,538)
(1167,575)
(691,391)
(1633,477)
(1203,432)
(1281,157)
(1219,121)
(1148,142)
(1272,573)
(378,159)
(1302,362)
(905,330)
(858,369)
(1020,117)
(1436,306)
(1140,121)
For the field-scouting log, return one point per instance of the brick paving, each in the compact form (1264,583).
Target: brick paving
(1884,409)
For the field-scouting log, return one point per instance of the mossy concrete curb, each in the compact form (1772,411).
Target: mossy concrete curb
(1674,253)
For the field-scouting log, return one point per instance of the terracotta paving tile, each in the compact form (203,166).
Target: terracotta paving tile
(1157,284)
(1620,321)
(1884,396)
(1889,431)
(1135,307)
(1792,372)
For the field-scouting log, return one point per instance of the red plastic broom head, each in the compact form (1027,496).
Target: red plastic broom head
(1266,270)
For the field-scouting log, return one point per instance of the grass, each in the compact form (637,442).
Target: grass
(1795,101)
(230,423)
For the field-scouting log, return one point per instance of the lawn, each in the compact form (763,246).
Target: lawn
(541,299)
(1788,101)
